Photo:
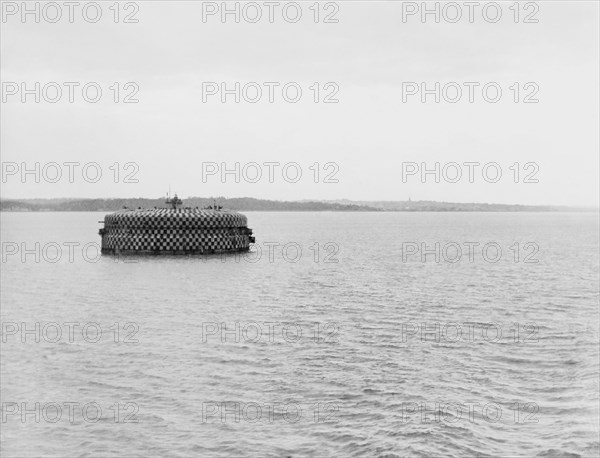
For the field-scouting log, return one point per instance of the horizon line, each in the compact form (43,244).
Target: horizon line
(350,201)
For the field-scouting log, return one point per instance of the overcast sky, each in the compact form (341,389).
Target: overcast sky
(368,54)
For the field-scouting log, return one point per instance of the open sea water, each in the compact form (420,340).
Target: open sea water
(329,339)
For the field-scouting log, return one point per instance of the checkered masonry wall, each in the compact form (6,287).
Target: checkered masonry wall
(175,231)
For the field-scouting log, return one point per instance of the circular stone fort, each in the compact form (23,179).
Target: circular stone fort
(175,230)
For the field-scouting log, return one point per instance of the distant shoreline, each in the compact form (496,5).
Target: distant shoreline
(251,204)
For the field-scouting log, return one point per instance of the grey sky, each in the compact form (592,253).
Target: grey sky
(369,53)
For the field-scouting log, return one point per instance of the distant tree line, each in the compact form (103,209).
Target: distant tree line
(251,204)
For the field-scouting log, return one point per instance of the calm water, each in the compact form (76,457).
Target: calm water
(396,357)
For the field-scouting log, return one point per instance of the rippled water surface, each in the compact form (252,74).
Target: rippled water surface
(396,357)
